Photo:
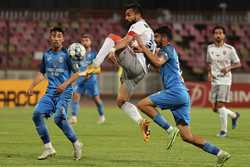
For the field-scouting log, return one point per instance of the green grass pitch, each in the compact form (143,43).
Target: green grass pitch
(118,142)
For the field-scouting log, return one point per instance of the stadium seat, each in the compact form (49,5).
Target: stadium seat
(28,35)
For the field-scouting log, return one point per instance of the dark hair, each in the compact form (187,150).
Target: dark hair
(164,30)
(86,36)
(56,29)
(219,27)
(136,7)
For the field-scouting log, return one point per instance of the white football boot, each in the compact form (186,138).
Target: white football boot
(222,158)
(73,120)
(47,152)
(77,150)
(101,119)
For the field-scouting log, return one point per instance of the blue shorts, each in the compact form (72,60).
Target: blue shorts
(177,100)
(88,86)
(54,105)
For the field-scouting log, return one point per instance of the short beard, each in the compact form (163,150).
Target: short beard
(132,22)
(218,40)
(127,24)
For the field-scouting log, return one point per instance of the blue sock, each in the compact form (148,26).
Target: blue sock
(100,108)
(210,148)
(66,128)
(41,127)
(75,107)
(161,121)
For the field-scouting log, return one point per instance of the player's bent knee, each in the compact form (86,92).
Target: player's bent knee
(97,99)
(58,120)
(215,109)
(220,105)
(120,102)
(76,97)
(36,115)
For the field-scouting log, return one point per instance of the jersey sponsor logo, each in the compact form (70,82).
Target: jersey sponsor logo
(61,59)
(55,71)
(49,58)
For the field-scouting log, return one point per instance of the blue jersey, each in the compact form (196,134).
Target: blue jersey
(170,71)
(58,67)
(87,85)
(88,59)
(174,96)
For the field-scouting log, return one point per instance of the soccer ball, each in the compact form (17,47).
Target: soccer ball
(76,51)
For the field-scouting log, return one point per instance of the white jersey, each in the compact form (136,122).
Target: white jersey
(142,29)
(219,58)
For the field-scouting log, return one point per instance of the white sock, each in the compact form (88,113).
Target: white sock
(230,113)
(219,153)
(169,130)
(132,112)
(102,117)
(223,118)
(48,145)
(103,52)
(76,143)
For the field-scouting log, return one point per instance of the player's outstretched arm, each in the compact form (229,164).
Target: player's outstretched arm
(156,60)
(68,82)
(123,42)
(38,78)
(76,75)
(120,44)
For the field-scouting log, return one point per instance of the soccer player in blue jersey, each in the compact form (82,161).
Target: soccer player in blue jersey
(57,67)
(87,85)
(173,96)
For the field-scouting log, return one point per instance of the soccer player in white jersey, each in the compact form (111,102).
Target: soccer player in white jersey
(222,58)
(134,65)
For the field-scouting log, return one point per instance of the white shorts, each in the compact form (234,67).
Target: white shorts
(220,93)
(133,71)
